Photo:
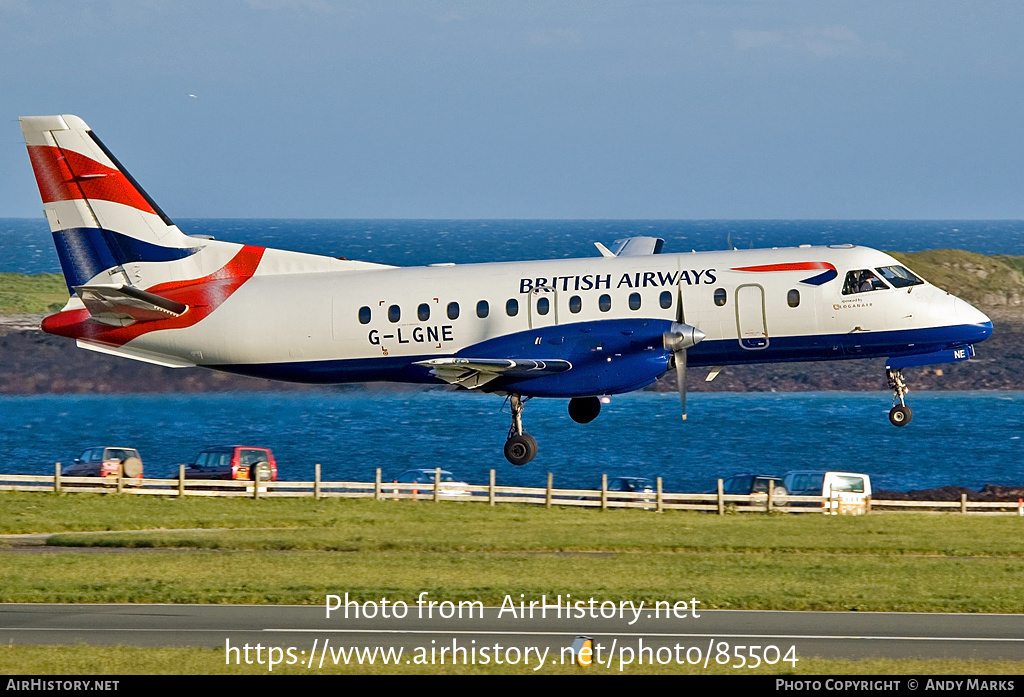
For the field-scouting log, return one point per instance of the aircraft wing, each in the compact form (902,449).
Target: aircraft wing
(474,372)
(120,305)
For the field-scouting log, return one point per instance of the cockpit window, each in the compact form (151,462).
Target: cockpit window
(899,276)
(862,281)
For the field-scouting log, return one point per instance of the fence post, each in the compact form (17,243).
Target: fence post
(316,482)
(437,484)
(256,484)
(377,486)
(721,500)
(120,477)
(181,480)
(490,491)
(771,496)
(547,498)
(963,503)
(660,501)
(56,479)
(604,492)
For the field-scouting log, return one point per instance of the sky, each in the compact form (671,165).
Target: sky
(735,109)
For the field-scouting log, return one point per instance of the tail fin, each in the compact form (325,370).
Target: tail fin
(101,219)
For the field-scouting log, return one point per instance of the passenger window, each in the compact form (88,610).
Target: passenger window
(862,281)
(720,297)
(394,313)
(575,304)
(793,297)
(512,307)
(634,301)
(482,309)
(665,299)
(364,315)
(453,310)
(604,303)
(423,312)
(543,305)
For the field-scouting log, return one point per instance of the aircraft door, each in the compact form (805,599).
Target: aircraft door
(751,324)
(543,307)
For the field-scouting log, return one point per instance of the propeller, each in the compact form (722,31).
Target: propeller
(677,339)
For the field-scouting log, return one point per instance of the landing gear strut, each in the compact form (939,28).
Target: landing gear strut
(900,414)
(520,447)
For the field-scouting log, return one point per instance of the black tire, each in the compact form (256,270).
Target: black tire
(901,416)
(583,410)
(520,449)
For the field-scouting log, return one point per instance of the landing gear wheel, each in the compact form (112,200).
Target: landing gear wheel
(520,449)
(583,410)
(901,415)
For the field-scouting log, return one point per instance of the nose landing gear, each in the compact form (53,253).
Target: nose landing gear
(900,414)
(520,447)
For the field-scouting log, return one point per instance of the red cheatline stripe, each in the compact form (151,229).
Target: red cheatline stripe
(202,295)
(67,175)
(794,266)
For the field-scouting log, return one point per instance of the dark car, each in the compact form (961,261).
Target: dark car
(640,485)
(745,484)
(105,461)
(233,462)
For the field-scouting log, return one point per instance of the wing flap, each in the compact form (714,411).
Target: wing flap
(476,372)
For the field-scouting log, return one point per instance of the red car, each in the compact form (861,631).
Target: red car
(233,462)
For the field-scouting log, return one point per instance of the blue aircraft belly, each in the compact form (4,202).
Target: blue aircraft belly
(616,356)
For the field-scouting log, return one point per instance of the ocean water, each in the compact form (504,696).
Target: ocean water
(963,438)
(968,439)
(28,247)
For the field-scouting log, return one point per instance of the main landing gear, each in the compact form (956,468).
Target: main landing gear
(520,447)
(900,414)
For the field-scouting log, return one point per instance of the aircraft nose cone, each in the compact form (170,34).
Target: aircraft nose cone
(969,314)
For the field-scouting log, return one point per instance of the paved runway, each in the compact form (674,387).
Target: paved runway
(311,636)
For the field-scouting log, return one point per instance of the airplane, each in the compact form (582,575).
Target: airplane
(576,329)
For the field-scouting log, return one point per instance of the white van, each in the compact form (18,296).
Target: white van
(849,492)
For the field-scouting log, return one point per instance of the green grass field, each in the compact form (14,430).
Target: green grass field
(299,550)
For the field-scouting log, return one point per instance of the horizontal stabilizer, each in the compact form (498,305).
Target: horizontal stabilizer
(120,305)
(137,355)
(474,372)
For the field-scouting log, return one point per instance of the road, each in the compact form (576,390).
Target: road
(308,631)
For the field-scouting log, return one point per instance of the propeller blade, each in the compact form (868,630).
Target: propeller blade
(680,357)
(679,338)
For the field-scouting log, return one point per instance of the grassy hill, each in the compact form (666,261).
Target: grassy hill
(21,294)
(990,282)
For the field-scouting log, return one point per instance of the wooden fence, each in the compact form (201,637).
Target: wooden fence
(493,494)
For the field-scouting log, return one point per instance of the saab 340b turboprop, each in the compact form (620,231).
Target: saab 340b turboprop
(567,328)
